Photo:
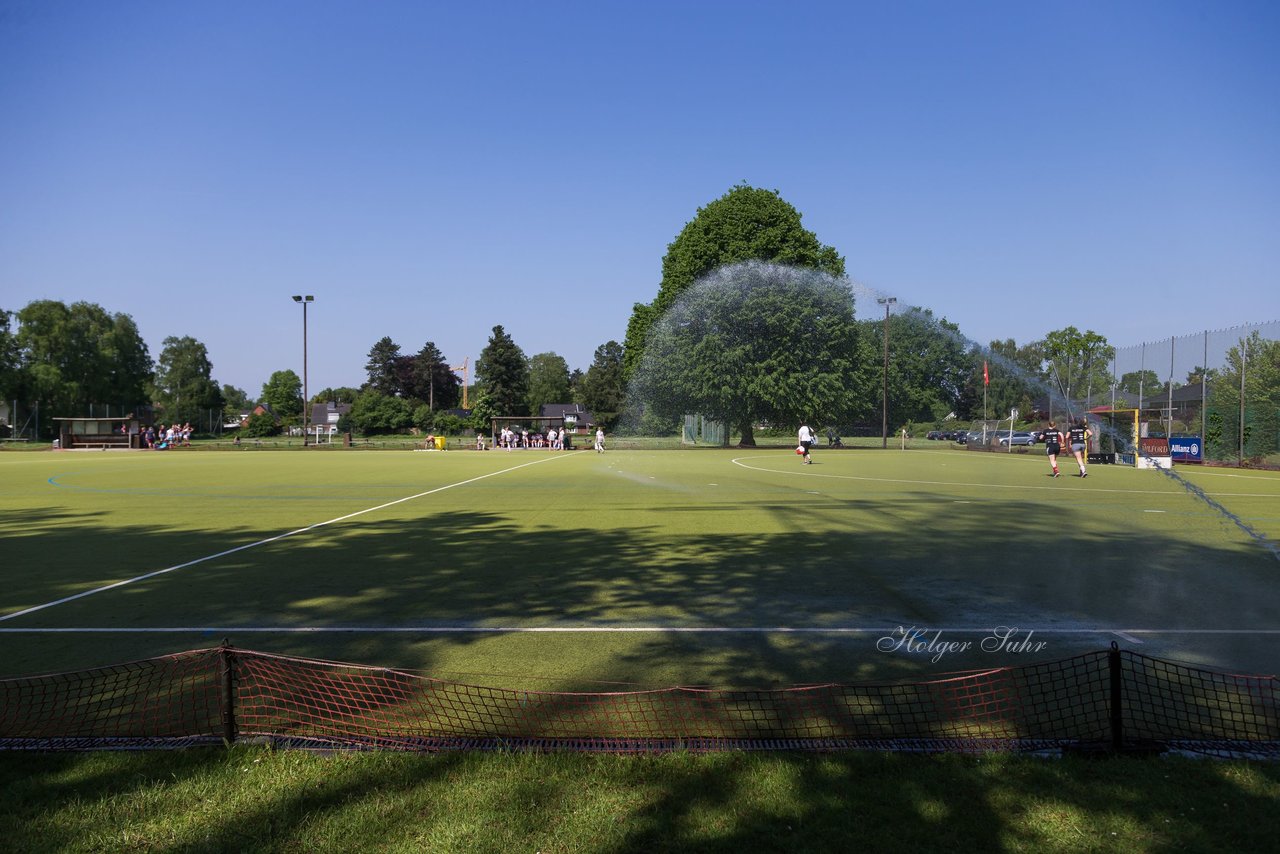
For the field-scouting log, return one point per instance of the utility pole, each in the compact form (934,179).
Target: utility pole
(306,402)
(884,405)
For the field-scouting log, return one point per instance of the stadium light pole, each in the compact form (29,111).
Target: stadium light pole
(305,402)
(884,404)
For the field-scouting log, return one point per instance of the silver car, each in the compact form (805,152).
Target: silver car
(1018,437)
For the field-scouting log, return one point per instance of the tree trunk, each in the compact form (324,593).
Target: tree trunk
(748,439)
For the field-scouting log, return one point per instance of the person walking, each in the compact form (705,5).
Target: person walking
(1078,436)
(807,440)
(1053,446)
(599,440)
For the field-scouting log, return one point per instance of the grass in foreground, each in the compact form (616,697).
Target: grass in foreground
(260,800)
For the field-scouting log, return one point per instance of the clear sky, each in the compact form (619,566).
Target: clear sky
(431,170)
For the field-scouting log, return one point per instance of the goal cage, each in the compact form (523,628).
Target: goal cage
(700,430)
(1123,437)
(983,432)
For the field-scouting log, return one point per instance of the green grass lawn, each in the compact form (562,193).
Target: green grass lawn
(251,799)
(420,560)
(440,562)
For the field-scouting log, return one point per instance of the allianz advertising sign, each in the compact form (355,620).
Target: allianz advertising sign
(1187,448)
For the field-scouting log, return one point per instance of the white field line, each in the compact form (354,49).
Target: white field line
(893,630)
(274,539)
(738,461)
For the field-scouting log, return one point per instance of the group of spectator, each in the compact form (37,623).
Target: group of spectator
(160,437)
(509,439)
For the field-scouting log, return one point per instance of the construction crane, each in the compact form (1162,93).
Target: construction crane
(463,368)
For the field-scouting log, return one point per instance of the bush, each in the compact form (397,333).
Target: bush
(375,412)
(448,425)
(424,418)
(260,426)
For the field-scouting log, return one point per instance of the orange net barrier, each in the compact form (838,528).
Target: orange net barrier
(1107,700)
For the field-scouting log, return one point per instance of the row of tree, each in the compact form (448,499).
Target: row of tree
(77,359)
(423,391)
(754,322)
(70,357)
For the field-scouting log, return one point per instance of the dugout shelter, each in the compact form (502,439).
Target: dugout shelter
(98,433)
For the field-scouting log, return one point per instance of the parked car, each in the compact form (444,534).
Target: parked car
(1018,437)
(933,435)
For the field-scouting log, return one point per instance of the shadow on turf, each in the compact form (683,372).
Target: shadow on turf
(873,562)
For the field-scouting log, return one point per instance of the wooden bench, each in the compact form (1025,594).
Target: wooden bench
(98,441)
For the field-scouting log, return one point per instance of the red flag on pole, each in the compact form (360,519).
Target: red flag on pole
(986,377)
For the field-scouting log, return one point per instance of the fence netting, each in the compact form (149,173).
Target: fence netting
(1221,387)
(1103,700)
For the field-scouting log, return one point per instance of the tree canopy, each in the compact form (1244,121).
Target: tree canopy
(602,390)
(548,381)
(928,365)
(1256,395)
(283,393)
(9,356)
(70,357)
(184,384)
(744,224)
(381,366)
(502,372)
(1079,362)
(756,342)
(431,380)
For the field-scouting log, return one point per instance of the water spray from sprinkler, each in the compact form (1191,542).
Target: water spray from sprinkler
(1062,389)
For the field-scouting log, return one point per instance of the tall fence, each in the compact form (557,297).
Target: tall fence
(1222,386)
(1111,700)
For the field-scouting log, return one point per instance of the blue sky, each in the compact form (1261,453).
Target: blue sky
(431,170)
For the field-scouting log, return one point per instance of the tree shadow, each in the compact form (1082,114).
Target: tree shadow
(868,562)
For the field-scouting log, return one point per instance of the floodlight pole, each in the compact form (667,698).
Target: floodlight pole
(884,404)
(306,403)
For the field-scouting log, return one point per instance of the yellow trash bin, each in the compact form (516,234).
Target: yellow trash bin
(439,443)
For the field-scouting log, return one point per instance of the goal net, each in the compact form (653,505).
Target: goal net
(700,430)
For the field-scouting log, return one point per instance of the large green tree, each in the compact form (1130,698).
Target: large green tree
(72,357)
(235,400)
(757,342)
(184,386)
(430,379)
(1256,396)
(744,224)
(602,390)
(129,362)
(283,393)
(548,380)
(9,357)
(1145,383)
(502,373)
(928,365)
(1079,362)
(341,394)
(381,366)
(1006,376)
(375,412)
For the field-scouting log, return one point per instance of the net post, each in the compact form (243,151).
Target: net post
(226,656)
(1116,710)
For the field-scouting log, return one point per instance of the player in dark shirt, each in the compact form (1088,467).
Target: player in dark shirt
(1053,445)
(1078,436)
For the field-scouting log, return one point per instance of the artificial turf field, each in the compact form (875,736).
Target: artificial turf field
(585,571)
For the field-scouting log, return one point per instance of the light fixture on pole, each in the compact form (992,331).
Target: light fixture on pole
(306,405)
(884,404)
